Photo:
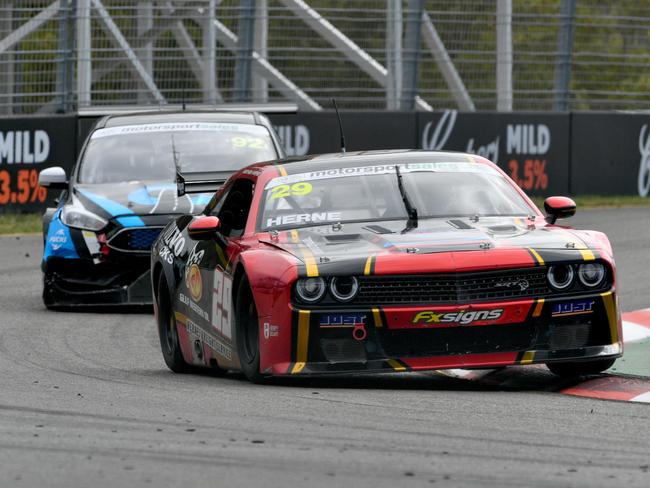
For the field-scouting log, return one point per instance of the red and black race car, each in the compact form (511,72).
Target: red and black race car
(382,261)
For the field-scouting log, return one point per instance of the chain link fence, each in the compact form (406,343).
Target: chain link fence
(368,54)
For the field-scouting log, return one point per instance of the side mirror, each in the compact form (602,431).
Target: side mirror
(203,228)
(53,178)
(559,208)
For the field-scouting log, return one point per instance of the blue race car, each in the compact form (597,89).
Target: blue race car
(123,191)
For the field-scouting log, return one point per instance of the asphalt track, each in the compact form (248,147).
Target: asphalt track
(85,400)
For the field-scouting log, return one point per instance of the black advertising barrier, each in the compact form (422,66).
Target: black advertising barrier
(27,146)
(531,147)
(610,154)
(546,153)
(318,132)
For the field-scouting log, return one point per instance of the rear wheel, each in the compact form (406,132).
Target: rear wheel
(580,368)
(168,332)
(248,332)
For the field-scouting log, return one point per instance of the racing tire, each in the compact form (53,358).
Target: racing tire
(48,294)
(168,332)
(248,332)
(581,368)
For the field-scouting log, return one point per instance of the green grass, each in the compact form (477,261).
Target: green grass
(20,223)
(31,223)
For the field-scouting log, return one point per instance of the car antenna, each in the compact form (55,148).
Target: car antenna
(180,179)
(338,116)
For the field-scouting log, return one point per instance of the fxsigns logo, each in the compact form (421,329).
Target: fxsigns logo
(24,146)
(462,317)
(644,169)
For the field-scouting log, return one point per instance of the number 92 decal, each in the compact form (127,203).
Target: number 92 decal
(241,142)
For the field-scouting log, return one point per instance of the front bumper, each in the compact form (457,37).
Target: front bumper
(485,335)
(80,282)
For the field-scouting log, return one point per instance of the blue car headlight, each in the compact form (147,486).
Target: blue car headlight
(80,218)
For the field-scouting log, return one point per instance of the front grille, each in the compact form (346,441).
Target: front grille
(139,239)
(452,288)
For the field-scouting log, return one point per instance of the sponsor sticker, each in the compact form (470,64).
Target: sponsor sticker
(58,239)
(461,317)
(179,126)
(341,320)
(212,342)
(381,169)
(303,218)
(194,307)
(576,307)
(271,330)
(194,283)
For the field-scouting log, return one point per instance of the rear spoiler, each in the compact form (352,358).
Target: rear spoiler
(205,182)
(265,108)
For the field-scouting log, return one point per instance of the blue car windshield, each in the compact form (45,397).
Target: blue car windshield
(370,193)
(146,152)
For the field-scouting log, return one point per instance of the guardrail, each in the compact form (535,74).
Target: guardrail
(545,153)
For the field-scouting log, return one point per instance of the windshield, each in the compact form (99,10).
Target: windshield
(146,152)
(371,193)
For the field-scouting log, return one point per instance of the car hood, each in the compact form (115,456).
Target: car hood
(138,198)
(499,236)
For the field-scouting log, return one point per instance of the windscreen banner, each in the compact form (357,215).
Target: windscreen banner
(27,146)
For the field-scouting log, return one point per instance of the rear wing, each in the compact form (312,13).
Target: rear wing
(204,182)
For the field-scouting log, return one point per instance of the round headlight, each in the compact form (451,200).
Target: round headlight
(344,288)
(591,274)
(561,277)
(310,290)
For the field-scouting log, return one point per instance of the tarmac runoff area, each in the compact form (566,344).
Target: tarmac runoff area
(85,398)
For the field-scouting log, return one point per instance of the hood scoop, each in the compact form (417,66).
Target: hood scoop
(342,238)
(378,229)
(459,224)
(503,229)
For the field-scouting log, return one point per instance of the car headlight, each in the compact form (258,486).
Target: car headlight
(591,274)
(80,218)
(344,288)
(561,276)
(311,290)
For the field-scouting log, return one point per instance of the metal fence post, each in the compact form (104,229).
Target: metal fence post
(64,71)
(260,85)
(412,47)
(84,73)
(244,57)
(393,53)
(504,55)
(209,81)
(7,79)
(145,53)
(564,50)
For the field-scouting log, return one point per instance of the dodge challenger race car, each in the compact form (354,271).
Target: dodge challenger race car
(382,261)
(122,192)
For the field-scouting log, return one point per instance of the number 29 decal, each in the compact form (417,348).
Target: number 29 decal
(295,190)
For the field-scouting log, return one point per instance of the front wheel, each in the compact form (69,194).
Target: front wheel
(248,332)
(168,332)
(580,368)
